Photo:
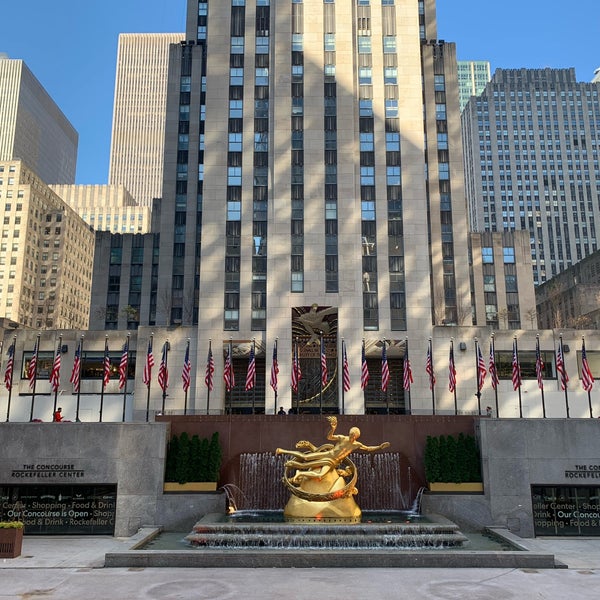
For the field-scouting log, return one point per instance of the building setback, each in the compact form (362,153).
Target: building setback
(473,76)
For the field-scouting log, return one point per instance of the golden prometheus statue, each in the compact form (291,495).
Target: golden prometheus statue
(323,480)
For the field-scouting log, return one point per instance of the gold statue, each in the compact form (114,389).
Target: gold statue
(319,487)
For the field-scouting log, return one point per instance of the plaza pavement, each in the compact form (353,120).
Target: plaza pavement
(71,568)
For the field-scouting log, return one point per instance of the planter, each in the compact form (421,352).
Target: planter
(468,487)
(190,487)
(11,541)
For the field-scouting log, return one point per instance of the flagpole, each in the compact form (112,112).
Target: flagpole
(254,386)
(12,370)
(79,375)
(454,373)
(589,392)
(208,386)
(538,353)
(431,376)
(126,373)
(478,394)
(519,369)
(185,399)
(495,373)
(149,379)
(103,377)
(59,349)
(563,377)
(343,367)
(166,347)
(408,407)
(37,349)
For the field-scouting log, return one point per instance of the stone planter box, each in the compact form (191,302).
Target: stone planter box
(190,487)
(467,487)
(11,541)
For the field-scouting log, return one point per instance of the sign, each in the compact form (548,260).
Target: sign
(566,511)
(57,472)
(60,509)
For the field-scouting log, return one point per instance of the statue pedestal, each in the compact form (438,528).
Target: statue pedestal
(339,510)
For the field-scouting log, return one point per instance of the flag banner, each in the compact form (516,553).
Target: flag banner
(76,372)
(587,379)
(364,369)
(55,374)
(274,369)
(106,365)
(429,367)
(186,373)
(324,373)
(516,368)
(345,369)
(492,368)
(407,378)
(123,364)
(451,370)
(210,370)
(163,369)
(561,369)
(481,371)
(539,365)
(385,369)
(32,368)
(228,374)
(296,370)
(251,373)
(10,365)
(147,375)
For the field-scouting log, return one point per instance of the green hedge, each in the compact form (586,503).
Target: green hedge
(450,459)
(193,459)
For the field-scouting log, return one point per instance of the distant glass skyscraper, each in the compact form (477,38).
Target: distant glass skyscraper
(531,143)
(32,127)
(139,114)
(473,76)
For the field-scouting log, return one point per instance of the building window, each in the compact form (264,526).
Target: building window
(487,255)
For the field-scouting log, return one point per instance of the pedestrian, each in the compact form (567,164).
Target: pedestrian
(57,418)
(488,411)
(281,411)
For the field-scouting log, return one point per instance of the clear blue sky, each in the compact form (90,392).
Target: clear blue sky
(71,47)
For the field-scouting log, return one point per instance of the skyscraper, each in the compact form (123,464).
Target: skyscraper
(137,144)
(531,160)
(473,76)
(34,129)
(299,198)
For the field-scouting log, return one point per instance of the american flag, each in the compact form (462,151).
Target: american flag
(186,373)
(345,369)
(481,372)
(210,370)
(587,379)
(274,369)
(385,369)
(429,367)
(106,377)
(364,369)
(561,368)
(296,370)
(251,373)
(32,368)
(323,364)
(55,373)
(539,365)
(228,374)
(492,367)
(8,372)
(76,372)
(147,375)
(516,368)
(123,365)
(163,369)
(407,378)
(451,370)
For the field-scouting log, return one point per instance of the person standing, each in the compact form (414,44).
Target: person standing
(57,418)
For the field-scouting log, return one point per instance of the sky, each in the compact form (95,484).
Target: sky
(71,47)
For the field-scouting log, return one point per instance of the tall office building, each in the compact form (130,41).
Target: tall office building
(301,205)
(138,131)
(33,128)
(531,144)
(473,76)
